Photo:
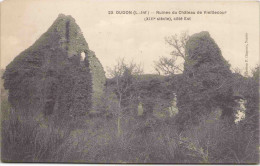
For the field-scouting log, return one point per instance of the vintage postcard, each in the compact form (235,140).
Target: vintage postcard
(130,82)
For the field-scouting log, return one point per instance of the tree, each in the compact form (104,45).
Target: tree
(123,77)
(155,93)
(171,66)
(251,94)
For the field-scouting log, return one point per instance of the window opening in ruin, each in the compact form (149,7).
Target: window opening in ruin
(82,56)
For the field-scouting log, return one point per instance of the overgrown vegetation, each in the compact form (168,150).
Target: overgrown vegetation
(133,122)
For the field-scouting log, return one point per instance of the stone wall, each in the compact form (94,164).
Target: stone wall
(98,77)
(51,76)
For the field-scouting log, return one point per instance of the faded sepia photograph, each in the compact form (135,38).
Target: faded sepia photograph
(129,82)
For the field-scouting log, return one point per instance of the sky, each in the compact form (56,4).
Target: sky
(128,36)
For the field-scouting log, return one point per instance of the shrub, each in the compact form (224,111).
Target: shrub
(214,140)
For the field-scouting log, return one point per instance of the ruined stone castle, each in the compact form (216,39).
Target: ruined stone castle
(58,74)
